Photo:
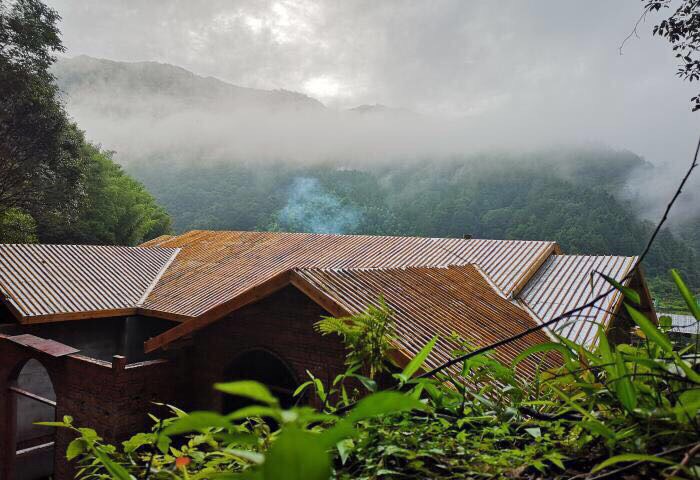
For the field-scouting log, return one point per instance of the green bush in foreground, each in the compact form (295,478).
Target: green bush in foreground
(612,411)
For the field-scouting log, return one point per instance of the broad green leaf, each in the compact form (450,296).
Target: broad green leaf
(652,333)
(687,296)
(540,348)
(534,431)
(197,421)
(115,470)
(606,355)
(344,448)
(628,292)
(340,431)
(138,441)
(383,403)
(253,457)
(297,455)
(302,387)
(624,387)
(631,457)
(75,448)
(52,424)
(688,405)
(254,411)
(163,443)
(417,361)
(248,389)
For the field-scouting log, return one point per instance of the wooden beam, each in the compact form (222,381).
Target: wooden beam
(319,297)
(34,449)
(251,295)
(33,396)
(88,315)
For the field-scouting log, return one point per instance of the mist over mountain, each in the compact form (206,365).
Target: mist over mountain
(220,156)
(88,80)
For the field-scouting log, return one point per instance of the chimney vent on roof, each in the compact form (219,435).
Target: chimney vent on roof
(466,236)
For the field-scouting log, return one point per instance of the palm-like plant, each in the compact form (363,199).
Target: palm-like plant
(368,336)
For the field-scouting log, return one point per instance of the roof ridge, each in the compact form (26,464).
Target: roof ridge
(157,278)
(385,269)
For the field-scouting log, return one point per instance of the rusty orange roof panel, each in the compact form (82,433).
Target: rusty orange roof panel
(214,267)
(426,301)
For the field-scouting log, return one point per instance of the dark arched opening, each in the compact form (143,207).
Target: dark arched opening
(34,400)
(264,367)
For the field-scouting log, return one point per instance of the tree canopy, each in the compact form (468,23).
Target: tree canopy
(54,185)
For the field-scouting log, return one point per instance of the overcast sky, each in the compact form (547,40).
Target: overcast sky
(543,68)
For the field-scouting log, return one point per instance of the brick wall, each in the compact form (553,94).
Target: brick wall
(112,399)
(282,324)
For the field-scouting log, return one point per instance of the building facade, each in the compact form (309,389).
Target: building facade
(100,333)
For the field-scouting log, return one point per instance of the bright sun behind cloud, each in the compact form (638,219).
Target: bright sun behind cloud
(323,86)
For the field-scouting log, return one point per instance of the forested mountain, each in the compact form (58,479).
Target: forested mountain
(486,196)
(576,196)
(181,135)
(167,87)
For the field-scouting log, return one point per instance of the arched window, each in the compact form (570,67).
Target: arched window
(264,367)
(34,401)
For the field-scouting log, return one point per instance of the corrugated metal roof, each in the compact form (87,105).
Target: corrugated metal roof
(50,281)
(565,282)
(682,323)
(214,267)
(426,301)
(201,275)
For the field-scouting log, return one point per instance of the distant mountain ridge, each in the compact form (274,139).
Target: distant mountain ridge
(83,75)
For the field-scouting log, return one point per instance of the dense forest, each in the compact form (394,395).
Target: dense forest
(568,196)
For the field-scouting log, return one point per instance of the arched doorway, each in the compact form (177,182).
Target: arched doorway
(34,400)
(265,367)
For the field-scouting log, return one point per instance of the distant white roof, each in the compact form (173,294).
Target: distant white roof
(682,323)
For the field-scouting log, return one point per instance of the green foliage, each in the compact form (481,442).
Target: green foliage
(567,196)
(681,30)
(40,164)
(116,210)
(54,185)
(17,226)
(368,337)
(629,410)
(220,447)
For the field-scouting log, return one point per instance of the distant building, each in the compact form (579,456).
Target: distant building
(99,332)
(684,328)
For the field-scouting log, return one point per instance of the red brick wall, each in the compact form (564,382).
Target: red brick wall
(113,401)
(281,323)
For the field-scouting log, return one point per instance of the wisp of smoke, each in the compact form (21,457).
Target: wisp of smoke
(310,208)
